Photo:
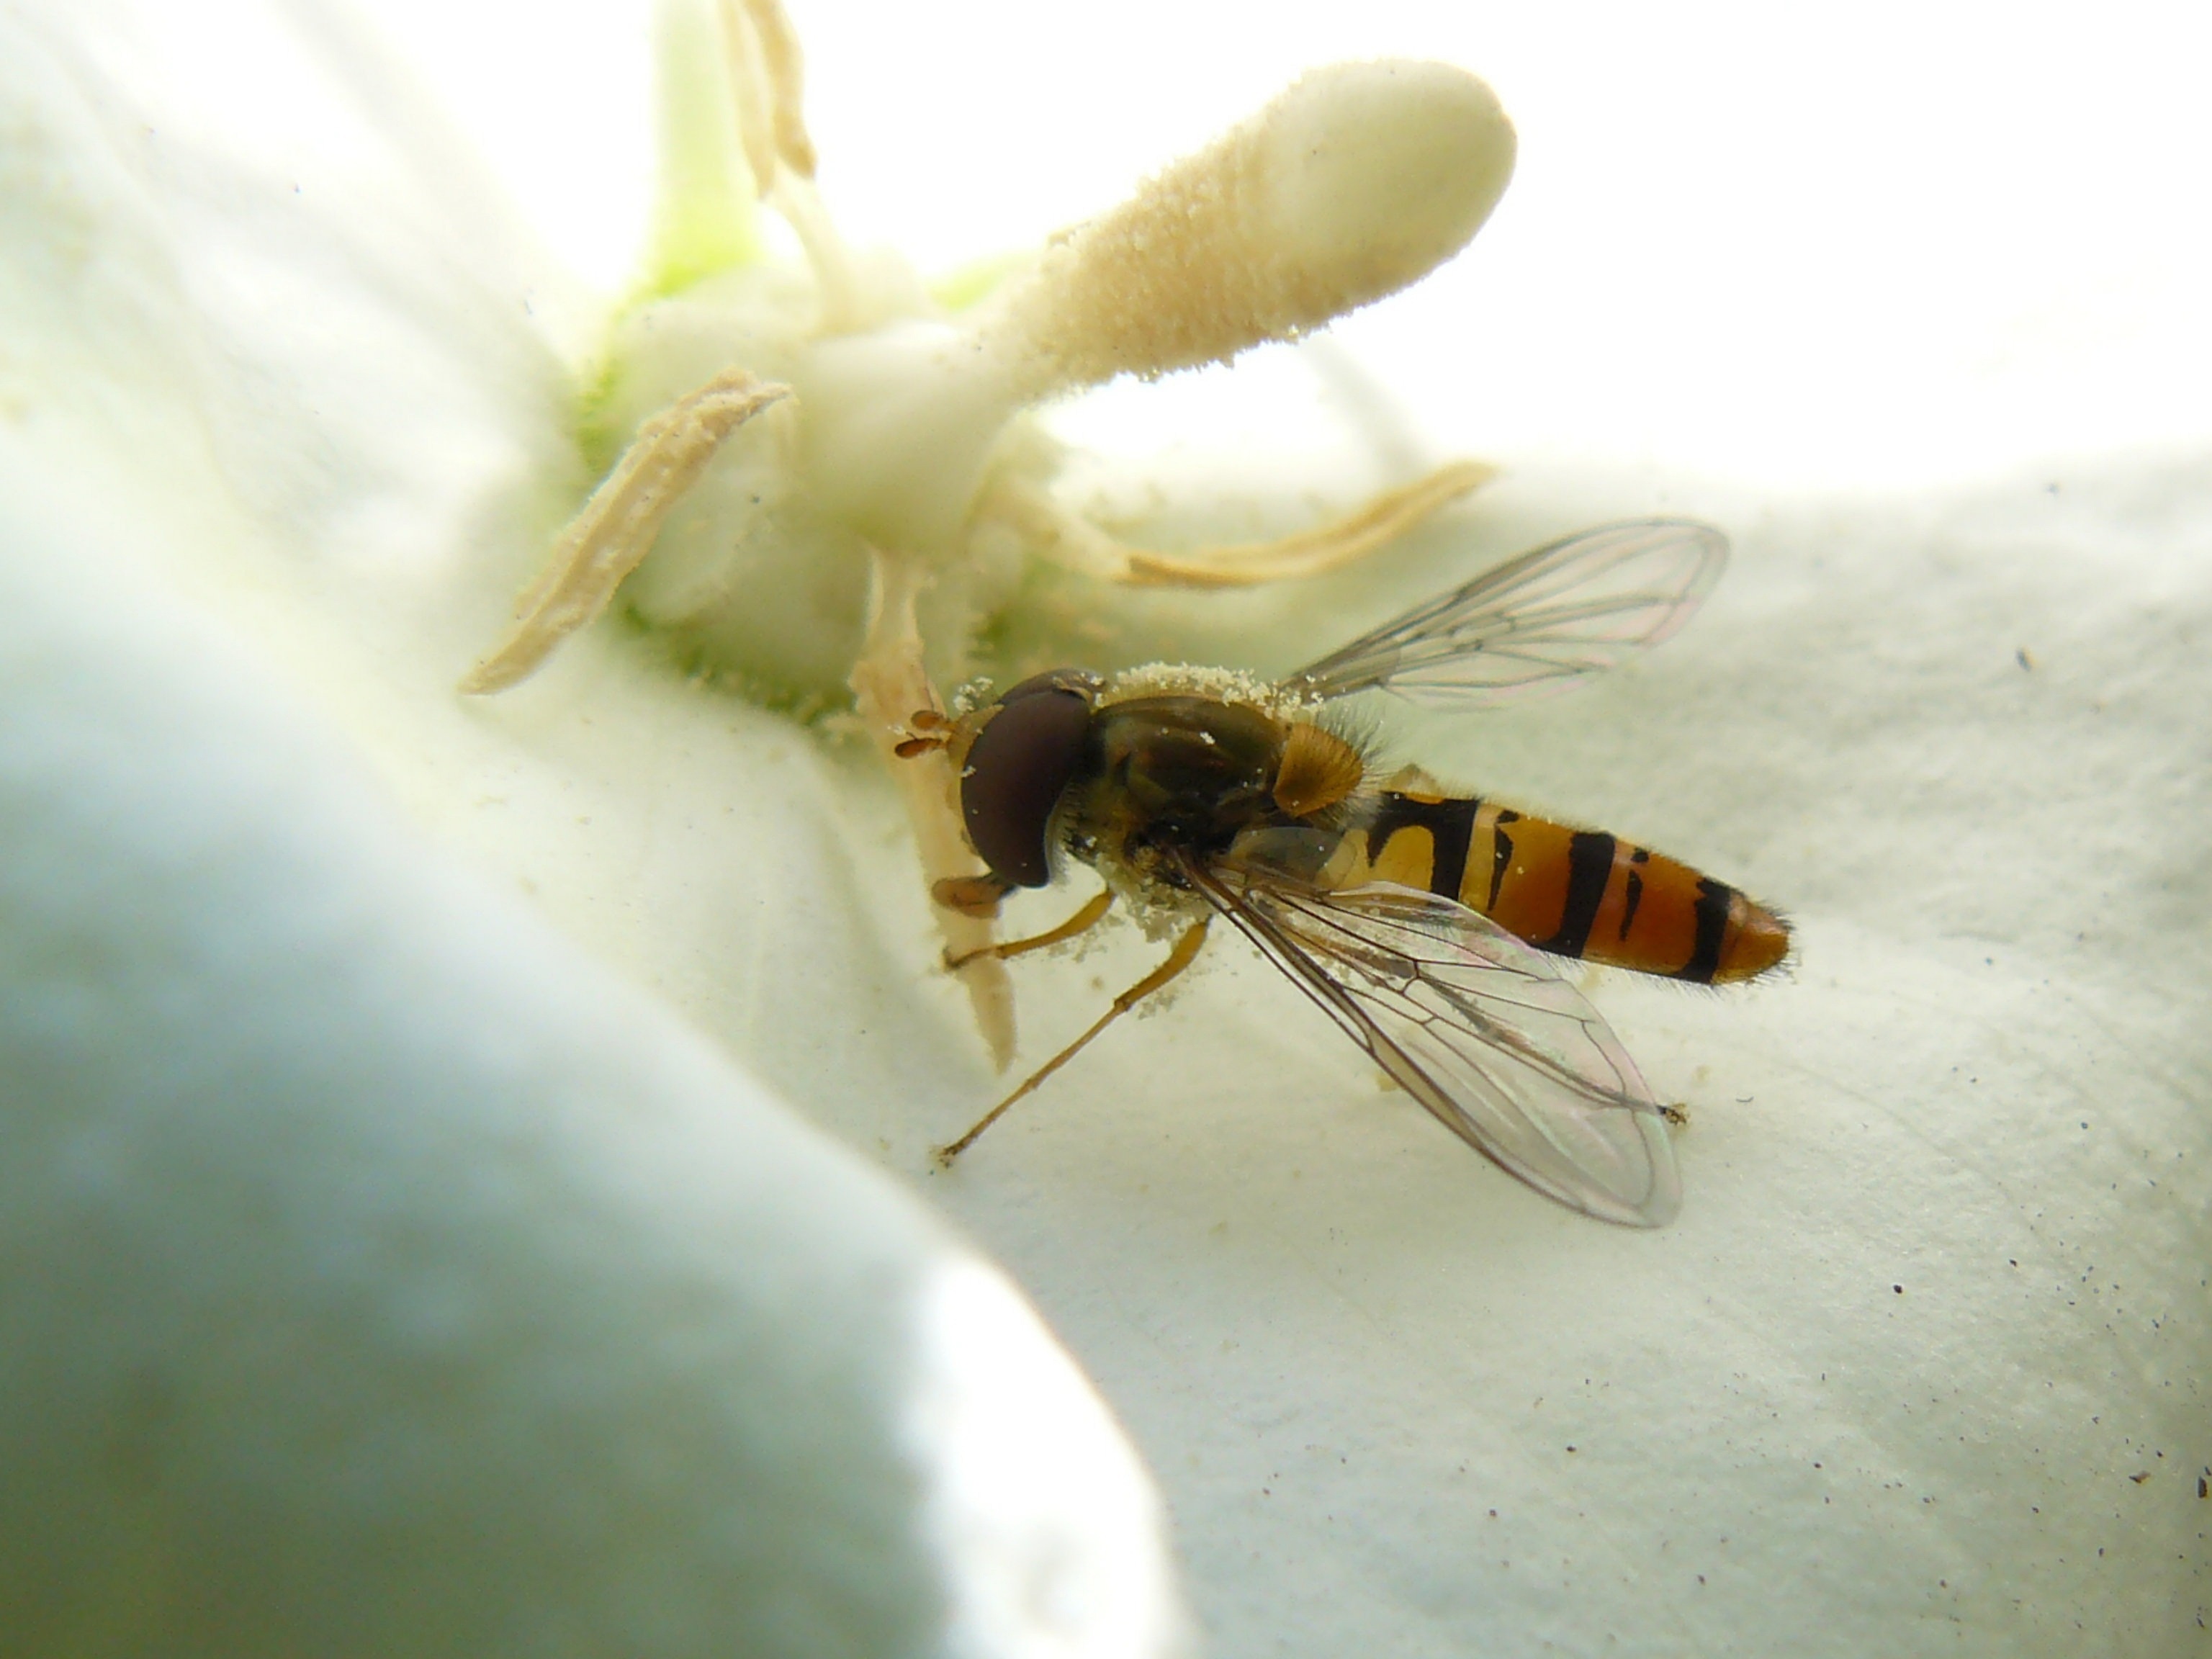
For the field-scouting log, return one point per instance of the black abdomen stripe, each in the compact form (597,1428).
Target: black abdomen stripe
(1589,868)
(1634,896)
(1450,824)
(1501,855)
(1453,826)
(1711,911)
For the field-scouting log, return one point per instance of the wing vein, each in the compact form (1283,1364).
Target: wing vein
(1473,1023)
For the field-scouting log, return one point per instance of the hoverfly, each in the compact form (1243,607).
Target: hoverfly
(1424,924)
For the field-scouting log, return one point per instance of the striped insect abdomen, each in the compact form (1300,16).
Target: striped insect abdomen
(1575,892)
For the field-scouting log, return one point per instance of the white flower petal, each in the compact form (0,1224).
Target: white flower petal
(385,1275)
(1345,1343)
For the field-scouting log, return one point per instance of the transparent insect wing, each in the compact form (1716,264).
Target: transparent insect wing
(1477,1027)
(1534,623)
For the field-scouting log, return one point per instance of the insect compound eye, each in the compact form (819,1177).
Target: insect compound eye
(1078,680)
(1016,769)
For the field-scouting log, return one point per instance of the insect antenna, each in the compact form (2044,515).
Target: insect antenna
(925,729)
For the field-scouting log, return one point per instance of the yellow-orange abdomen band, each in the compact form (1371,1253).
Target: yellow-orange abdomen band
(1577,893)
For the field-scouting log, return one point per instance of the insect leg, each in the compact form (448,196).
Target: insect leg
(1082,921)
(618,526)
(1185,951)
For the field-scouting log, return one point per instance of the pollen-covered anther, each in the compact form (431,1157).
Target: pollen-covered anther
(617,526)
(1359,179)
(1319,769)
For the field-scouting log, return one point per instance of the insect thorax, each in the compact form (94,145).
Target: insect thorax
(1167,775)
